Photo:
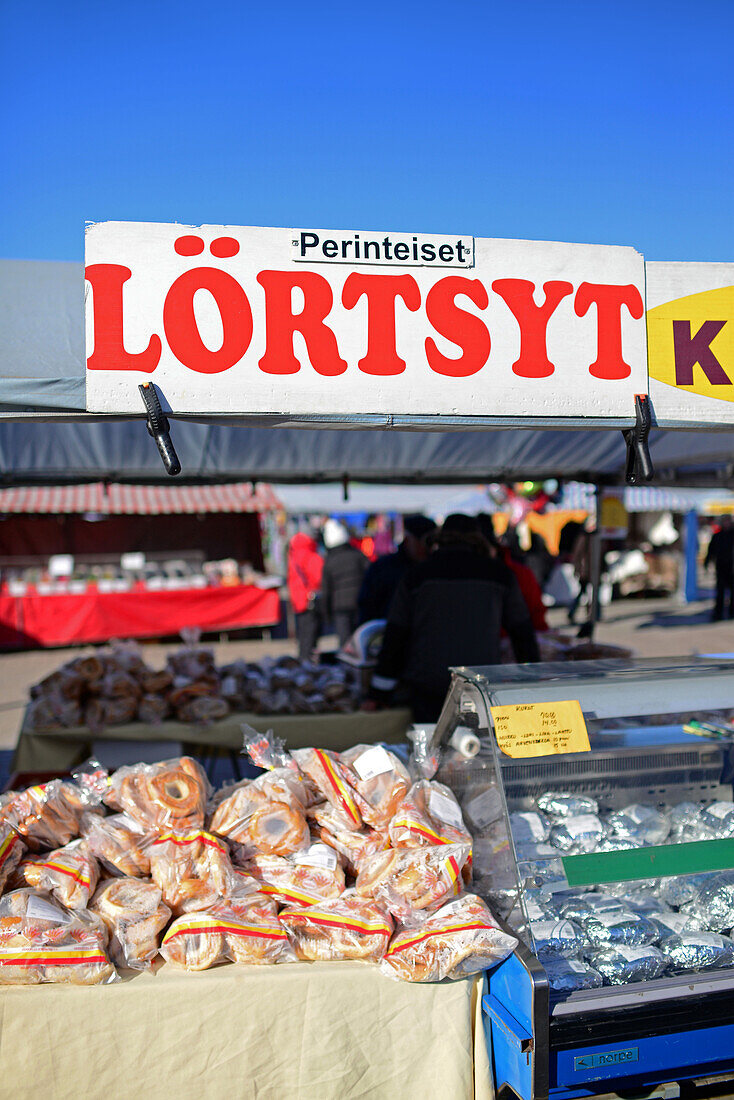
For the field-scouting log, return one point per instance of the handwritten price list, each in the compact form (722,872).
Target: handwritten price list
(540,729)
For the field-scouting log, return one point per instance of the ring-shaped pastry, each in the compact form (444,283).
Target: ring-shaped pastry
(278,830)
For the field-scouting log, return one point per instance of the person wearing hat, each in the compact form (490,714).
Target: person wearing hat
(344,569)
(384,575)
(450,610)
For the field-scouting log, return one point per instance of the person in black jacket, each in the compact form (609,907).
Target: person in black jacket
(447,611)
(720,554)
(384,575)
(344,568)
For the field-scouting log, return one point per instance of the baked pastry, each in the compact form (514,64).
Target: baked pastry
(118,843)
(355,846)
(11,853)
(194,942)
(70,874)
(429,814)
(335,782)
(407,879)
(192,870)
(134,915)
(171,794)
(47,815)
(381,781)
(459,939)
(348,927)
(293,883)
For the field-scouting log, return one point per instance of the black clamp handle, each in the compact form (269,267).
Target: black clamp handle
(639,465)
(159,429)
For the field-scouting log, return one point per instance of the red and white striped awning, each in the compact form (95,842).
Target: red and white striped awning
(138,500)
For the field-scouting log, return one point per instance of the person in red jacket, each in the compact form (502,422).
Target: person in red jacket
(305,566)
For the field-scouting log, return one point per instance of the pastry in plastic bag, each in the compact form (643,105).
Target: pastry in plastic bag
(118,843)
(354,845)
(47,815)
(348,927)
(553,938)
(199,940)
(335,781)
(11,853)
(134,915)
(171,794)
(193,870)
(40,941)
(248,898)
(562,804)
(620,965)
(70,874)
(249,817)
(640,823)
(429,814)
(698,951)
(578,833)
(461,938)
(293,883)
(381,780)
(571,975)
(405,879)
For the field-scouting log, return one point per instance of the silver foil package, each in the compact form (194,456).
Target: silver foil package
(556,938)
(678,891)
(571,975)
(717,820)
(529,827)
(618,928)
(698,951)
(588,905)
(643,824)
(578,833)
(562,804)
(622,965)
(714,902)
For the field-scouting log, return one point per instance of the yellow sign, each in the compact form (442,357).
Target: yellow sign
(690,343)
(540,729)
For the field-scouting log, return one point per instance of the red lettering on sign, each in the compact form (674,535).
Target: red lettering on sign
(461,328)
(281,323)
(107,281)
(182,331)
(381,292)
(533,321)
(609,300)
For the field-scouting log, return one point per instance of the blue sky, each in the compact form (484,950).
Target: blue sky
(602,122)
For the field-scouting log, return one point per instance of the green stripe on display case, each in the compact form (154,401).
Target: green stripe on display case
(660,861)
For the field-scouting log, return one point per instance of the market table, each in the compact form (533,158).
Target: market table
(66,618)
(60,750)
(315,1031)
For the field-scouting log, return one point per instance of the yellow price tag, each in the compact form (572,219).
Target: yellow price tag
(541,729)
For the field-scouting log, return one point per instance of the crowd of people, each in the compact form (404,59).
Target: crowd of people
(448,595)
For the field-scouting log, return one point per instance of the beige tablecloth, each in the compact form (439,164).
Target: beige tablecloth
(62,749)
(302,1031)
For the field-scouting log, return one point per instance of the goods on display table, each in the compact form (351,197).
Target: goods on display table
(613,866)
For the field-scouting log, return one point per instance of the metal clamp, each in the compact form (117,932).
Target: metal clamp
(639,465)
(159,428)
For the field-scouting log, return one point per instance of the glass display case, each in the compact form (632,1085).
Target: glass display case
(614,867)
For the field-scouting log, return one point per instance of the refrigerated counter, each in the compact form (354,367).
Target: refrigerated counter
(614,867)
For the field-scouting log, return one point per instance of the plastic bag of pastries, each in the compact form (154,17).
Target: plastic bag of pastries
(248,898)
(134,915)
(406,879)
(118,843)
(347,927)
(296,883)
(429,814)
(169,795)
(47,815)
(200,940)
(11,853)
(193,870)
(336,782)
(381,781)
(40,941)
(70,874)
(266,815)
(354,845)
(459,939)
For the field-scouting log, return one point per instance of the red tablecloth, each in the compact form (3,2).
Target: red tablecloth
(93,616)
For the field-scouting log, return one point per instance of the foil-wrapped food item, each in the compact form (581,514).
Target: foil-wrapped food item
(620,965)
(643,824)
(554,938)
(529,827)
(578,833)
(684,888)
(571,975)
(717,819)
(562,804)
(618,927)
(685,819)
(587,905)
(698,951)
(644,903)
(714,902)
(672,924)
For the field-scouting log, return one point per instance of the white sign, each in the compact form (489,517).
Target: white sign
(230,320)
(690,323)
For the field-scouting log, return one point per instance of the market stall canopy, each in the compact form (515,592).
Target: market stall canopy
(103,499)
(42,377)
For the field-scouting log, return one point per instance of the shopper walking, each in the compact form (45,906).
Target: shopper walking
(305,567)
(383,576)
(450,610)
(344,569)
(720,554)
